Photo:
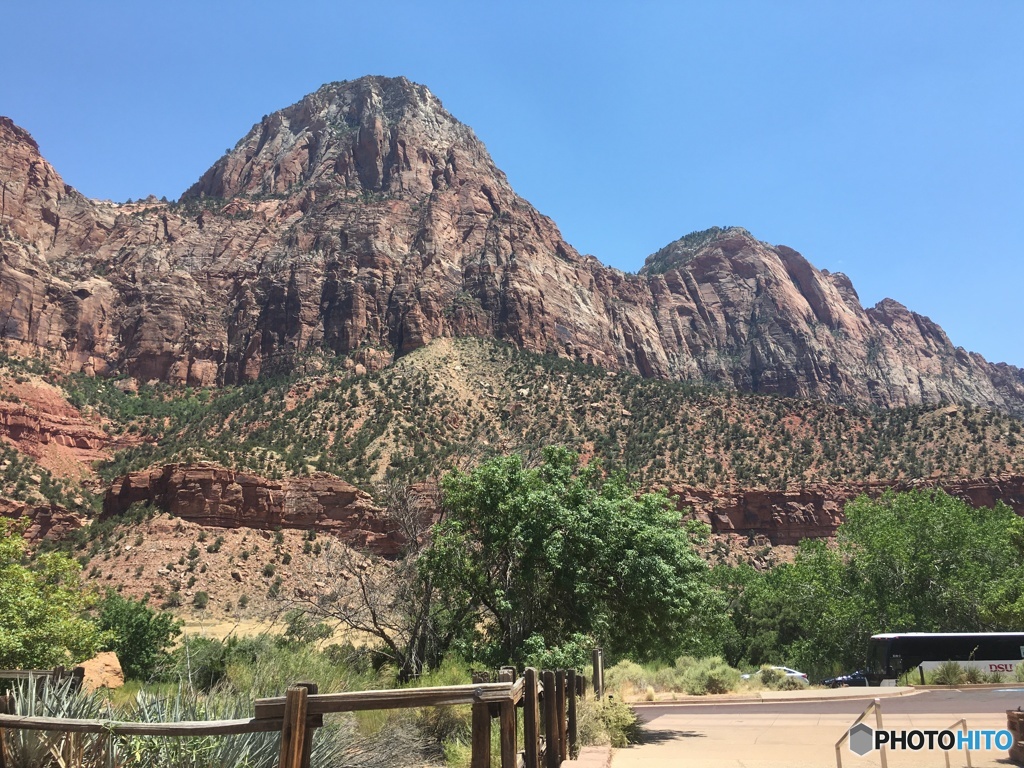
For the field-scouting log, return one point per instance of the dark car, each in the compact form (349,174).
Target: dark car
(860,677)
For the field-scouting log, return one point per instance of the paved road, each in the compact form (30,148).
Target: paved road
(802,734)
(953,702)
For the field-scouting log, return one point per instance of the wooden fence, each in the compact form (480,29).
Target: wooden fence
(548,700)
(56,675)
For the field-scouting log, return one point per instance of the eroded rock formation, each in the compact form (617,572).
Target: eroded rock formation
(815,511)
(211,495)
(366,217)
(39,421)
(48,522)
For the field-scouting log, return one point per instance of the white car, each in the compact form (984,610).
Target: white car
(798,676)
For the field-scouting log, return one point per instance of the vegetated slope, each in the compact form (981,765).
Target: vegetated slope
(366,215)
(457,401)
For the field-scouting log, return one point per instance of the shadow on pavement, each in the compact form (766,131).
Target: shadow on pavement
(660,736)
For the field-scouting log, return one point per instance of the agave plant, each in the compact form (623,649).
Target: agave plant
(336,745)
(246,750)
(57,749)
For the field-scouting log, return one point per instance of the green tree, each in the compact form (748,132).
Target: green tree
(140,635)
(42,607)
(562,550)
(930,562)
(915,561)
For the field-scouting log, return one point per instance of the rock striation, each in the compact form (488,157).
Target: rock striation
(815,511)
(38,420)
(214,496)
(45,522)
(366,217)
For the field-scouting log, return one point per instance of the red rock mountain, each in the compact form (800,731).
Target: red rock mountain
(367,217)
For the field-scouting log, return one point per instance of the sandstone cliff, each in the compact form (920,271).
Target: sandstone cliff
(366,216)
(38,420)
(210,495)
(815,511)
(44,522)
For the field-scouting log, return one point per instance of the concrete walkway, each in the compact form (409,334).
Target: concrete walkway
(737,738)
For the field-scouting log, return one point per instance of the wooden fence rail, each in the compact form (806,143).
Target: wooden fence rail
(56,675)
(547,698)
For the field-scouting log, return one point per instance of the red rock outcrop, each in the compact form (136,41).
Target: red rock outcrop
(47,522)
(102,671)
(787,517)
(366,216)
(37,419)
(211,495)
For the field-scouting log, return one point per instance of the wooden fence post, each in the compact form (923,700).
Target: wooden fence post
(509,758)
(507,721)
(293,729)
(78,677)
(551,759)
(531,719)
(480,756)
(307,741)
(480,738)
(571,687)
(597,657)
(6,708)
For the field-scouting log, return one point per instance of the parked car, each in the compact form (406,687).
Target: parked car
(798,676)
(860,677)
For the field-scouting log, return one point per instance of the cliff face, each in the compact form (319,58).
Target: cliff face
(366,216)
(812,512)
(210,495)
(45,522)
(39,421)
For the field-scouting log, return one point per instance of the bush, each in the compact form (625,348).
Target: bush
(609,722)
(667,679)
(201,600)
(1018,673)
(202,661)
(626,677)
(771,677)
(974,675)
(948,673)
(711,675)
(573,654)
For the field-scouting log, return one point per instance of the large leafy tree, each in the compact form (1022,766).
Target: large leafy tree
(914,561)
(930,562)
(42,608)
(139,635)
(562,550)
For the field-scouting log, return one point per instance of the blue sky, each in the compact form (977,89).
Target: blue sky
(881,139)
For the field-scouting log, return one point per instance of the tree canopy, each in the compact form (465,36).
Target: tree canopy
(559,551)
(42,607)
(138,634)
(915,561)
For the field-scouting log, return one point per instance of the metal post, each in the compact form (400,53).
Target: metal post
(878,726)
(597,657)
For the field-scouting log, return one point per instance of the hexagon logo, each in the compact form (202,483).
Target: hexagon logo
(862,739)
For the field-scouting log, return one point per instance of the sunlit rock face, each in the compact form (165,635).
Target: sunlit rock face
(365,217)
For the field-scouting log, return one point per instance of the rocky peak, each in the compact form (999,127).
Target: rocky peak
(365,216)
(371,135)
(679,253)
(36,206)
